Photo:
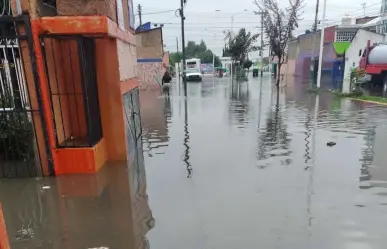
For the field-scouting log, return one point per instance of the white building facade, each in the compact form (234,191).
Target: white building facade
(226,62)
(355,51)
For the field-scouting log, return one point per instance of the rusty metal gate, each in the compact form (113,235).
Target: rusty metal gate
(131,102)
(22,131)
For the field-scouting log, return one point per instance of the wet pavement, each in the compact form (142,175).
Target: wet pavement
(234,165)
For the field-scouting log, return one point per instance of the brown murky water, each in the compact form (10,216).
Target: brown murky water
(232,166)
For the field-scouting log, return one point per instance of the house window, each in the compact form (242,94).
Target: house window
(342,36)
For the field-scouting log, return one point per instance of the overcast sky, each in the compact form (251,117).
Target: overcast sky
(206,19)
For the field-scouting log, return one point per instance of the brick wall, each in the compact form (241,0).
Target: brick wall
(86,8)
(127,60)
(150,44)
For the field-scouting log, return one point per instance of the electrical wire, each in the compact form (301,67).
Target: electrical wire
(330,7)
(156,13)
(197,27)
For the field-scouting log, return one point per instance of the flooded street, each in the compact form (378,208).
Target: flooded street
(232,166)
(248,168)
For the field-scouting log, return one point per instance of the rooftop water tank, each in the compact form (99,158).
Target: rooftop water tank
(348,20)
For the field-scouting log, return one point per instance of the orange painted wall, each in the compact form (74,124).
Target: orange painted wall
(81,160)
(61,75)
(4,243)
(31,87)
(110,98)
(64,76)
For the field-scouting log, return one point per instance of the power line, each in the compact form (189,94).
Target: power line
(160,12)
(198,27)
(334,7)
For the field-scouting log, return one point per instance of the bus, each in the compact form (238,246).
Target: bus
(193,63)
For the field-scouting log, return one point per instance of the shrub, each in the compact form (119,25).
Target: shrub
(16,130)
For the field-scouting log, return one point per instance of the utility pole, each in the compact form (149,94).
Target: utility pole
(364,5)
(261,50)
(316,16)
(139,13)
(232,25)
(178,64)
(314,37)
(321,46)
(261,44)
(213,58)
(270,59)
(182,2)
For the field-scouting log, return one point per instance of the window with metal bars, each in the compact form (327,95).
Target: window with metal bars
(71,71)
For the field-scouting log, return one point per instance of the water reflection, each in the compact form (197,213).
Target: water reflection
(186,142)
(239,103)
(108,209)
(156,115)
(367,155)
(208,88)
(318,197)
(308,133)
(274,138)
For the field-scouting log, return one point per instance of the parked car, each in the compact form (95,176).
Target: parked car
(193,74)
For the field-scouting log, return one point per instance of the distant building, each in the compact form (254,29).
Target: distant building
(151,59)
(226,62)
(349,26)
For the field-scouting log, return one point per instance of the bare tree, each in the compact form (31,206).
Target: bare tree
(279,25)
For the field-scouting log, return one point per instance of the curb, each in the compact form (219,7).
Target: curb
(369,101)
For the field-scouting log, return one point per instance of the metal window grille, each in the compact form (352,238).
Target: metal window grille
(70,68)
(19,149)
(131,102)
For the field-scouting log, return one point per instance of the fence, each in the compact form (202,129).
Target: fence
(21,149)
(71,70)
(131,103)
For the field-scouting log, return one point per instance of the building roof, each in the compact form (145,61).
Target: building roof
(350,26)
(374,22)
(371,23)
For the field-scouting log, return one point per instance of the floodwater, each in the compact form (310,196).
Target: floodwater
(237,165)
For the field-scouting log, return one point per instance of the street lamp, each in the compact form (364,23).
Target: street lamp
(232,31)
(213,55)
(232,17)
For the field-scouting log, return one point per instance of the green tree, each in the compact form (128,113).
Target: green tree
(247,64)
(193,50)
(240,45)
(175,57)
(225,51)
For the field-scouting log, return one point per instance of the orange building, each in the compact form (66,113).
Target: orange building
(69,63)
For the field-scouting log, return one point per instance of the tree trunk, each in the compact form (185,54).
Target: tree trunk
(278,73)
